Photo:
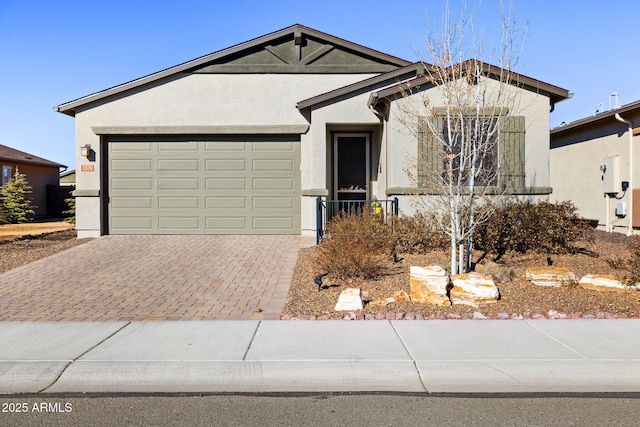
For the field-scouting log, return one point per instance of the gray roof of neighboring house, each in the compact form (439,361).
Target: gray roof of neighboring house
(17,156)
(609,114)
(296,31)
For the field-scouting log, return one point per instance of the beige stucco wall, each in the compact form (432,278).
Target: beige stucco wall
(201,100)
(402,139)
(576,157)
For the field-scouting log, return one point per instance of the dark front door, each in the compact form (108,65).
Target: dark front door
(351,166)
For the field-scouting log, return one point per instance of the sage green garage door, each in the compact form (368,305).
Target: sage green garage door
(205,186)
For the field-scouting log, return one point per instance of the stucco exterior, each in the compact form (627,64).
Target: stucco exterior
(296,82)
(579,150)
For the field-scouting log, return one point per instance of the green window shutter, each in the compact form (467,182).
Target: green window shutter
(512,152)
(430,159)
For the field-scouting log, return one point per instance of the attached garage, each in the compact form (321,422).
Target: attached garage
(203,184)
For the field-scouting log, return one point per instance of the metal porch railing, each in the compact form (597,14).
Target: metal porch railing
(327,209)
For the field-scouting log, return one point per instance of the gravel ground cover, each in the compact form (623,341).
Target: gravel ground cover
(519,298)
(19,251)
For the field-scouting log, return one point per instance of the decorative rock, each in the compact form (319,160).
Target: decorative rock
(410,316)
(501,277)
(605,283)
(431,316)
(550,276)
(385,301)
(526,315)
(380,316)
(453,316)
(473,289)
(468,316)
(492,316)
(429,285)
(441,317)
(589,316)
(390,316)
(517,316)
(303,317)
(575,316)
(478,316)
(490,268)
(401,296)
(503,316)
(349,300)
(419,316)
(286,317)
(350,316)
(360,316)
(538,316)
(369,316)
(399,316)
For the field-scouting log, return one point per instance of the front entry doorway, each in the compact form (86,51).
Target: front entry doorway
(351,166)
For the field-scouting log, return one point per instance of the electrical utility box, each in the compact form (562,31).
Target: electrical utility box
(621,209)
(611,175)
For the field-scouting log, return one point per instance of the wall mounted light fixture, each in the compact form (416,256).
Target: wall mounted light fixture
(85,150)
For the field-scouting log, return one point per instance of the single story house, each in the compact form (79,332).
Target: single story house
(592,164)
(244,140)
(40,173)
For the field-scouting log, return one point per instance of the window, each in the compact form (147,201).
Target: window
(501,164)
(470,147)
(6,174)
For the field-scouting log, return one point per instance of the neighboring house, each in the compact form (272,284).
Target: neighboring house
(243,141)
(68,178)
(40,173)
(590,163)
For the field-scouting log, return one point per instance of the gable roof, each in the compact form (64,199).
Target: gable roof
(389,78)
(555,93)
(295,49)
(16,156)
(631,107)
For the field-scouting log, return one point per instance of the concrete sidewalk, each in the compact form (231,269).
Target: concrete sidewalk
(306,356)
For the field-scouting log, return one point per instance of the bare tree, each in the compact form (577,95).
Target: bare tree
(470,138)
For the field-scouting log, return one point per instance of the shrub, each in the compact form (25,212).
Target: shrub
(631,264)
(71,212)
(15,200)
(356,246)
(419,233)
(523,226)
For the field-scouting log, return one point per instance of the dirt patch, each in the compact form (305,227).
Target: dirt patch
(18,251)
(13,231)
(517,296)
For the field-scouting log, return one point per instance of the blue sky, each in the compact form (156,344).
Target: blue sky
(54,52)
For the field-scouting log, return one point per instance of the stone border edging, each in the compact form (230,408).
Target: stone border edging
(552,315)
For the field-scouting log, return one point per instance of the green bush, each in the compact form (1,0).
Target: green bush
(71,212)
(356,246)
(523,226)
(15,200)
(419,233)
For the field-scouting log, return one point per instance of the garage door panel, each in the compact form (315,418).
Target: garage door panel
(132,184)
(224,165)
(173,183)
(137,165)
(133,223)
(270,165)
(226,202)
(178,202)
(178,147)
(211,186)
(227,184)
(273,184)
(166,223)
(133,202)
(229,223)
(263,223)
(275,202)
(178,165)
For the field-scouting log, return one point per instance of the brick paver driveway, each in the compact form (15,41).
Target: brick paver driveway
(155,278)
